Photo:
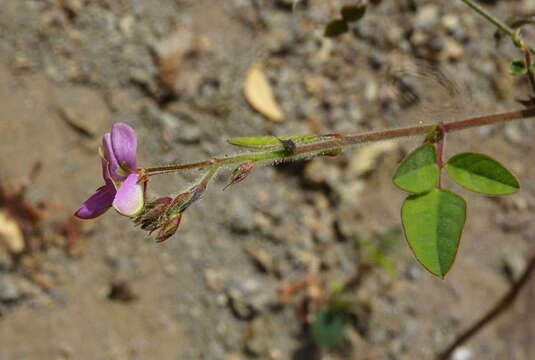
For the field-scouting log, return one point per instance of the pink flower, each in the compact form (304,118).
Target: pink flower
(123,189)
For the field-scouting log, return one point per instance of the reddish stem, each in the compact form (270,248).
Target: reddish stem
(341,141)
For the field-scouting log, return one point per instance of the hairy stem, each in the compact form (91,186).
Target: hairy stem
(209,175)
(336,143)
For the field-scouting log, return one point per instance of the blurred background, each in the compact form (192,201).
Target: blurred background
(254,271)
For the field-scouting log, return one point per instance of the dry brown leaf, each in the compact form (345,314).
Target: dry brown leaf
(10,234)
(259,94)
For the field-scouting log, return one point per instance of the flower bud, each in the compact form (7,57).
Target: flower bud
(169,228)
(180,202)
(153,210)
(184,200)
(166,200)
(240,173)
(196,192)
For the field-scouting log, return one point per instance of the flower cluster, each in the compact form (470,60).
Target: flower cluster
(125,185)
(165,213)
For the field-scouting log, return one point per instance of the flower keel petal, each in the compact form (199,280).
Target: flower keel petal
(97,204)
(130,197)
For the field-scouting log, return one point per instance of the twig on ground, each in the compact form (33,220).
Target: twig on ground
(500,307)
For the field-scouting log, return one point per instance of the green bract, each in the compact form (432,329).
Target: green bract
(433,223)
(482,174)
(269,142)
(418,173)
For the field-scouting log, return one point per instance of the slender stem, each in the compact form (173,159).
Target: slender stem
(527,57)
(488,120)
(171,168)
(209,175)
(323,147)
(500,307)
(498,23)
(220,162)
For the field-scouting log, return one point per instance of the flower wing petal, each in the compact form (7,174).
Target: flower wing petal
(97,204)
(124,145)
(129,199)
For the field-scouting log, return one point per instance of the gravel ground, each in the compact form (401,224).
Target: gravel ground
(174,70)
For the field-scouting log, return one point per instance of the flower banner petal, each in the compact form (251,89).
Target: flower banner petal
(124,144)
(130,197)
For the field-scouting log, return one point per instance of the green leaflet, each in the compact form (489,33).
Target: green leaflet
(482,174)
(433,223)
(418,173)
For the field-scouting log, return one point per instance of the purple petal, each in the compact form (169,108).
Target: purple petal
(97,204)
(124,144)
(130,197)
(110,157)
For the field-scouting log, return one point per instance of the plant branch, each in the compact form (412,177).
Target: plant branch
(500,307)
(336,143)
(527,58)
(498,23)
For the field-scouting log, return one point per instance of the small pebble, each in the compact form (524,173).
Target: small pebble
(9,292)
(426,17)
(462,353)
